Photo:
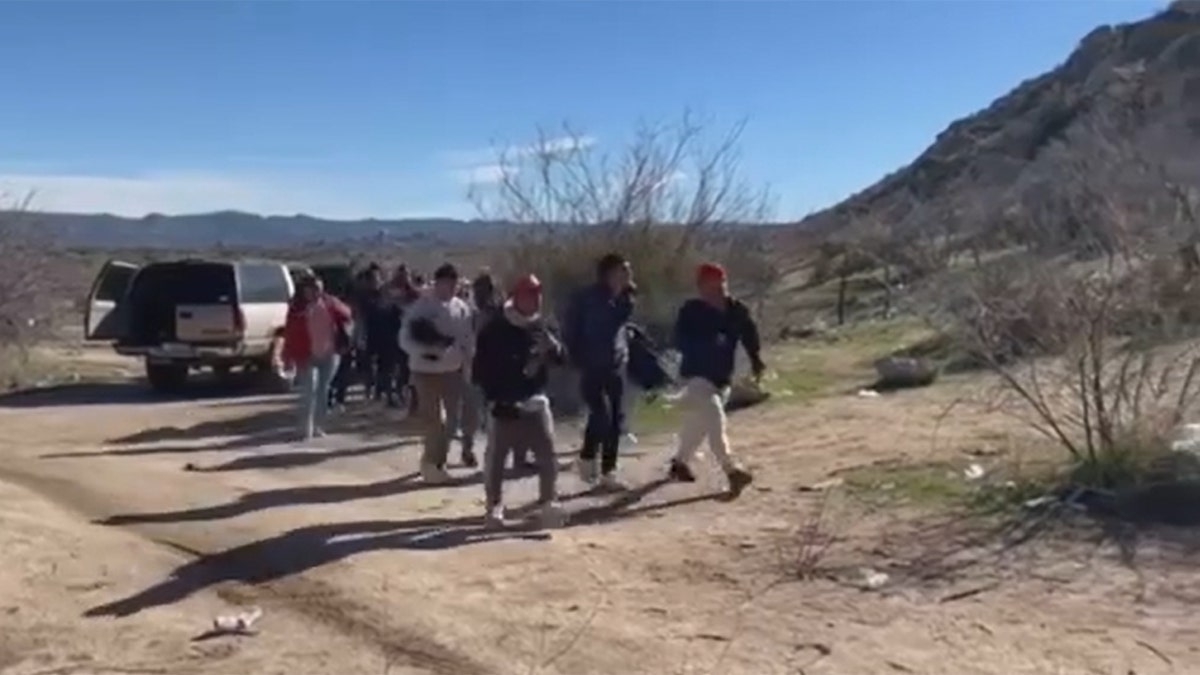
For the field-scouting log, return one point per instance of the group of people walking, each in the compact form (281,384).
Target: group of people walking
(468,357)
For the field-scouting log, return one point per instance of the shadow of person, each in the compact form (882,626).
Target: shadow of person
(268,499)
(306,548)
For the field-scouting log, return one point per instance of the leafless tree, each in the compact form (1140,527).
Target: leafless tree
(659,199)
(26,275)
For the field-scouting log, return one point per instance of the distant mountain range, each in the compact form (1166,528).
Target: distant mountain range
(238,229)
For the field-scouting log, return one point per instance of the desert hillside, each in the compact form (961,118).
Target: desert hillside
(1136,85)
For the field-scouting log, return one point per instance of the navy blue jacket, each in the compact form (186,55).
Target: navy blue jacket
(707,338)
(595,328)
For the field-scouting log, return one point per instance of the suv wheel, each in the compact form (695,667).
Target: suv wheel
(166,378)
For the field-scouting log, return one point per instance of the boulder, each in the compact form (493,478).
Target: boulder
(904,372)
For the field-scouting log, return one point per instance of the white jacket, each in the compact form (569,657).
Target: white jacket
(453,318)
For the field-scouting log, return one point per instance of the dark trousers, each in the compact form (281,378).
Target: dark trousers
(341,378)
(603,392)
(385,362)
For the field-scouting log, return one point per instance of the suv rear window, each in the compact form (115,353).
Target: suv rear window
(187,283)
(263,283)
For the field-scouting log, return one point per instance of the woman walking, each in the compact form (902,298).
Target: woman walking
(314,336)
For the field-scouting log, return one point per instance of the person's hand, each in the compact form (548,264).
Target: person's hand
(758,368)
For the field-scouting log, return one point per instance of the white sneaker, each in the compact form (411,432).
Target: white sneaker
(588,469)
(610,483)
(494,518)
(553,515)
(434,475)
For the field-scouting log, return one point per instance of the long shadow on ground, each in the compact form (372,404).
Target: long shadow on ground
(125,392)
(299,458)
(306,548)
(296,496)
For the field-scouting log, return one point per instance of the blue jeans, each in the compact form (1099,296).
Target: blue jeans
(313,379)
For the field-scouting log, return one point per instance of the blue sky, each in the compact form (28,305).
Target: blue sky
(387,109)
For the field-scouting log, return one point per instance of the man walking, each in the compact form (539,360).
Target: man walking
(597,341)
(708,330)
(438,338)
(514,351)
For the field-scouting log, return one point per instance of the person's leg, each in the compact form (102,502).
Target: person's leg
(401,381)
(454,392)
(539,438)
(592,388)
(385,372)
(614,404)
(471,414)
(306,392)
(326,368)
(718,443)
(693,430)
(429,417)
(341,380)
(501,441)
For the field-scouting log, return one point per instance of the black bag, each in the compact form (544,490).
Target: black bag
(645,367)
(424,332)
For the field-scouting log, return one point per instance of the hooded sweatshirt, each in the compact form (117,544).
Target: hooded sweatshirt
(453,320)
(513,356)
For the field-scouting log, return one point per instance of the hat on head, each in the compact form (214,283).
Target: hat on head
(527,284)
(710,272)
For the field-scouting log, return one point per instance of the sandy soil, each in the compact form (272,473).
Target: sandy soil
(128,523)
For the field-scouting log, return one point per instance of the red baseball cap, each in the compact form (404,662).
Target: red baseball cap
(528,283)
(710,272)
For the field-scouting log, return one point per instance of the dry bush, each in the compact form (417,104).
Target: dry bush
(27,278)
(1090,331)
(666,200)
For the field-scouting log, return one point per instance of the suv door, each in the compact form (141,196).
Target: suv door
(264,290)
(104,318)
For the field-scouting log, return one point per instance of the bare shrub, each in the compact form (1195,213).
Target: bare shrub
(27,280)
(662,200)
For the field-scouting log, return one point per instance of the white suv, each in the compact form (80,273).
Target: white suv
(191,314)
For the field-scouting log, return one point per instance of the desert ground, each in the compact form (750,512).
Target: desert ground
(127,523)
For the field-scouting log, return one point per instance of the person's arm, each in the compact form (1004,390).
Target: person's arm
(751,342)
(685,329)
(482,365)
(625,305)
(573,325)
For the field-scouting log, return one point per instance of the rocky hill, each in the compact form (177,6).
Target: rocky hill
(237,229)
(1137,85)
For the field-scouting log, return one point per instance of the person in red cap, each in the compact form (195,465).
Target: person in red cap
(513,354)
(708,330)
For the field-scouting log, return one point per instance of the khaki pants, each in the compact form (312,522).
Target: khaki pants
(703,407)
(532,431)
(439,399)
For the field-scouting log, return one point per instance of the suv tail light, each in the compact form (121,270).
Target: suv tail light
(239,320)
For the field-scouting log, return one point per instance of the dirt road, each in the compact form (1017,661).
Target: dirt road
(127,523)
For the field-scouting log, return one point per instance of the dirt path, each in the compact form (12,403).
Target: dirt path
(203,506)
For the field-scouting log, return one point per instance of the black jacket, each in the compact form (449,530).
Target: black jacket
(507,366)
(707,339)
(595,328)
(380,319)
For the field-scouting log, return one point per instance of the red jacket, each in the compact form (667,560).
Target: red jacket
(297,347)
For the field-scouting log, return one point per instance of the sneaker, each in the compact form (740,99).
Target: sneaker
(553,515)
(468,458)
(434,475)
(319,433)
(681,472)
(610,483)
(588,469)
(739,480)
(494,519)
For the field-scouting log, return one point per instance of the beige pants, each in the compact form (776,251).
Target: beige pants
(439,399)
(703,406)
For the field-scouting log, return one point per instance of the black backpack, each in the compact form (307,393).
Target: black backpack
(645,367)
